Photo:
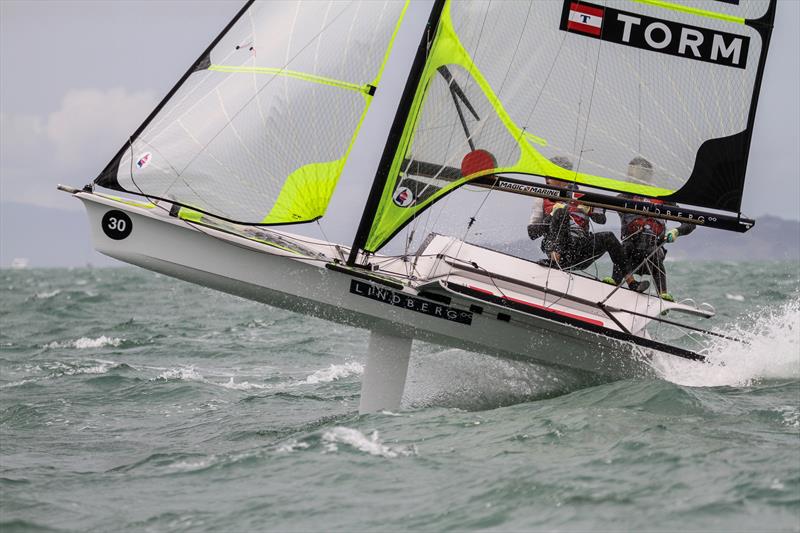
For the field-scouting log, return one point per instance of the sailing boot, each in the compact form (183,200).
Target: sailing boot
(639,286)
(666,296)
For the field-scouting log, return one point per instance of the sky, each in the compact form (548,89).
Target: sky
(77,77)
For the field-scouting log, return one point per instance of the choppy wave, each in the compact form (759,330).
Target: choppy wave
(771,351)
(265,410)
(335,372)
(47,295)
(355,439)
(332,373)
(192,374)
(85,343)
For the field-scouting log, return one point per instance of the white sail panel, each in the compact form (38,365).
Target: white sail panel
(598,82)
(259,132)
(602,103)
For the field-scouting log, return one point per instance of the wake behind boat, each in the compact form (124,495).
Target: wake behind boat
(240,146)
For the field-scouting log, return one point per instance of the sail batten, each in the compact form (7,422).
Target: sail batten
(365,88)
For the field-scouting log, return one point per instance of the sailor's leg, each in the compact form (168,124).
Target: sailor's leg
(658,271)
(580,253)
(385,373)
(558,238)
(626,265)
(605,241)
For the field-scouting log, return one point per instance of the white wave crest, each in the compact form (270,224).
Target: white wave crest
(85,342)
(791,416)
(772,352)
(243,385)
(181,374)
(734,297)
(17,383)
(188,466)
(334,372)
(102,367)
(191,374)
(292,445)
(354,438)
(47,295)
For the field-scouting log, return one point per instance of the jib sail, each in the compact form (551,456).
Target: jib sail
(259,129)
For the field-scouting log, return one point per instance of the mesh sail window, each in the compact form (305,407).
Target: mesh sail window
(260,128)
(600,83)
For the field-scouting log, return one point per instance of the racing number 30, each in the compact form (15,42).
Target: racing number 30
(117,225)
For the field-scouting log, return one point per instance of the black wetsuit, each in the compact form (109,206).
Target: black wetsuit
(577,248)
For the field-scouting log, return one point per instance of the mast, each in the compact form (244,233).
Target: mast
(396,131)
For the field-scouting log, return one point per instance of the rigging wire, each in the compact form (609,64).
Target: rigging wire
(589,111)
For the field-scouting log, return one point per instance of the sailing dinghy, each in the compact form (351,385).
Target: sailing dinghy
(263,139)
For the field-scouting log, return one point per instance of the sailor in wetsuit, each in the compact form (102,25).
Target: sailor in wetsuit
(642,236)
(565,230)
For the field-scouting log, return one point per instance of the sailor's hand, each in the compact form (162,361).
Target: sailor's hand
(585,208)
(557,206)
(671,235)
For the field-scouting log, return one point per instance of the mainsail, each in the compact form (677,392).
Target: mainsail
(260,127)
(508,85)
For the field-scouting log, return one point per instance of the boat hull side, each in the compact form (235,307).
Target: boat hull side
(256,272)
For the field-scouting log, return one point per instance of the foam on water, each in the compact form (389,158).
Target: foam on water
(772,352)
(85,342)
(180,374)
(47,295)
(191,374)
(334,372)
(355,439)
(242,385)
(292,445)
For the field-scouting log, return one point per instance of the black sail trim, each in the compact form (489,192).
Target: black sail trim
(108,177)
(396,131)
(717,179)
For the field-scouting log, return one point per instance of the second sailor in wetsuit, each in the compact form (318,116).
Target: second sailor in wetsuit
(643,235)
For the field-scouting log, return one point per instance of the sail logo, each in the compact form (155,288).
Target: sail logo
(655,35)
(527,189)
(403,197)
(585,19)
(398,299)
(144,160)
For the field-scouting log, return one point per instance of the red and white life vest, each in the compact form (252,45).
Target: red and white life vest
(578,217)
(642,223)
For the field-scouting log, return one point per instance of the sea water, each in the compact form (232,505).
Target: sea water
(133,402)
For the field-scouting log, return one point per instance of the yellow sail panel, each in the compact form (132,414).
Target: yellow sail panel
(306,193)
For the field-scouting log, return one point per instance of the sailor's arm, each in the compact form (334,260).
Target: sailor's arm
(597,215)
(537,226)
(683,229)
(537,230)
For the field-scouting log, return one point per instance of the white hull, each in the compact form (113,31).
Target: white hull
(278,277)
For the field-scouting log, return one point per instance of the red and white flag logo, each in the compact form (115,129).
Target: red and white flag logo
(585,19)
